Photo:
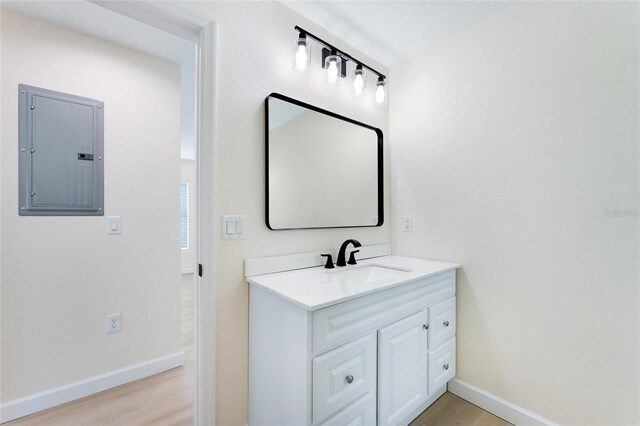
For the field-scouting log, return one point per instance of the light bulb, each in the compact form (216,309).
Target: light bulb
(301,54)
(332,72)
(301,58)
(381,91)
(359,80)
(380,95)
(358,84)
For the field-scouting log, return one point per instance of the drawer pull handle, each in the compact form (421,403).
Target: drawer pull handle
(446,366)
(425,326)
(446,323)
(349,379)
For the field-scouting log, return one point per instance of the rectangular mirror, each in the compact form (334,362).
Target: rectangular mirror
(323,170)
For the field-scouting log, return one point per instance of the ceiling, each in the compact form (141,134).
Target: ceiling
(393,30)
(100,22)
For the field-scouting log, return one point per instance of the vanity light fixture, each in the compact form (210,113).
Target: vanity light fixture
(335,61)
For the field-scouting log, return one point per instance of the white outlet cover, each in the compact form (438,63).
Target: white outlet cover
(113,323)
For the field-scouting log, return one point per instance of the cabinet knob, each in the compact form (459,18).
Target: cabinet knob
(425,326)
(446,323)
(446,366)
(349,379)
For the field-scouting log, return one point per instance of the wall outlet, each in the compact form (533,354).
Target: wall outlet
(407,223)
(113,323)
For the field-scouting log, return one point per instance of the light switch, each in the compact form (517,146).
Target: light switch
(113,224)
(240,225)
(230,227)
(407,223)
(233,227)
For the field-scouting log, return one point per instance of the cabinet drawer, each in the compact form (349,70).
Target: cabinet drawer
(442,322)
(340,323)
(360,413)
(343,375)
(442,365)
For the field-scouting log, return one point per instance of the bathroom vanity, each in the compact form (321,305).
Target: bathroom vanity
(368,344)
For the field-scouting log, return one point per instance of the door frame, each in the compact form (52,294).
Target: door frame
(180,21)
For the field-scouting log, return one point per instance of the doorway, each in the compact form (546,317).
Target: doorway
(201,36)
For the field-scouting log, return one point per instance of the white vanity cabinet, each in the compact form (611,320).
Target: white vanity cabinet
(380,358)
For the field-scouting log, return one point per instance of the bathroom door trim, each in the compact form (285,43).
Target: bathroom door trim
(180,21)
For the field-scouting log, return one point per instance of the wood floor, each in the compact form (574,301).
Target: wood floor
(167,398)
(163,399)
(450,410)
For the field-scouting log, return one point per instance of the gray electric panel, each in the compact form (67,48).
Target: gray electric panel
(61,164)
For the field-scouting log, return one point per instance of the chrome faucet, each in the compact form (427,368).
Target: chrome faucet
(343,248)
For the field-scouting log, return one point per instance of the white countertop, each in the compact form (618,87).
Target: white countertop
(317,288)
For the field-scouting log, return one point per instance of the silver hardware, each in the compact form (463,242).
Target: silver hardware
(425,326)
(33,193)
(446,366)
(22,149)
(100,106)
(446,323)
(23,91)
(33,107)
(99,209)
(99,158)
(349,379)
(23,208)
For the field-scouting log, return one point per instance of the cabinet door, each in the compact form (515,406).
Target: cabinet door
(402,368)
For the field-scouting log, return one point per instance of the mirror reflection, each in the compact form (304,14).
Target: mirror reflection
(323,170)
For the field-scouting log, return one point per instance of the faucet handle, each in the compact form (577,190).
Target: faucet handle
(352,257)
(329,264)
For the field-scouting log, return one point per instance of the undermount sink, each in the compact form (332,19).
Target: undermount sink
(368,273)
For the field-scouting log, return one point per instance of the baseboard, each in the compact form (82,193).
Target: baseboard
(185,271)
(30,404)
(495,405)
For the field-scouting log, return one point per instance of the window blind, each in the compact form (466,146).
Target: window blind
(184,214)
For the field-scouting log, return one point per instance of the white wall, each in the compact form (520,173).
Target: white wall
(61,276)
(515,147)
(254,58)
(188,173)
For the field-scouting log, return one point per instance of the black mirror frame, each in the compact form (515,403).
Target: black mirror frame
(339,117)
